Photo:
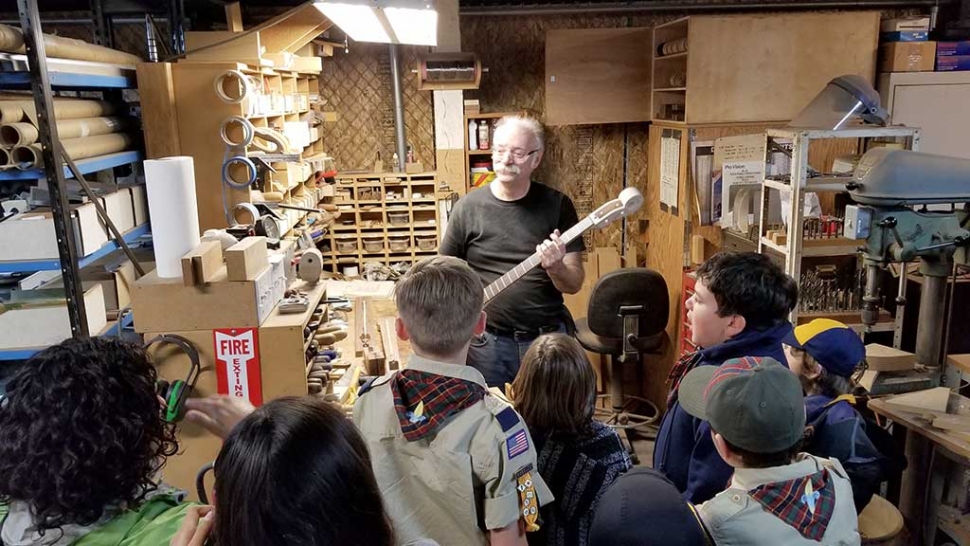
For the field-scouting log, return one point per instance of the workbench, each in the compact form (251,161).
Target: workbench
(930,453)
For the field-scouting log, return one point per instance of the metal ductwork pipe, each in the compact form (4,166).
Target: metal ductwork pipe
(401,144)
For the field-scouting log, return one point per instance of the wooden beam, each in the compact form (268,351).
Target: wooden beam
(158,112)
(234,17)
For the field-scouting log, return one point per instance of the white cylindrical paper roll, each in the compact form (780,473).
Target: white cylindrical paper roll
(174,212)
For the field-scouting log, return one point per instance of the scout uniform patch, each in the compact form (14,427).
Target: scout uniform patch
(528,501)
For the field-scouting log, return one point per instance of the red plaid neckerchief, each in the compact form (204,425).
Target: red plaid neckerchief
(789,501)
(442,397)
(686,363)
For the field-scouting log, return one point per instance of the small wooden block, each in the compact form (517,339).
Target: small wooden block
(696,249)
(887,359)
(779,238)
(246,259)
(930,400)
(956,423)
(201,264)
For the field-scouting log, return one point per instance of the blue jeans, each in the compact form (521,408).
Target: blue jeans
(498,356)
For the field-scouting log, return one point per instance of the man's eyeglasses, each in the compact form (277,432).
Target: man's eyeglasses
(517,155)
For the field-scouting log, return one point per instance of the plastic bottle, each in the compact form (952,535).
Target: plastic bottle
(472,135)
(483,143)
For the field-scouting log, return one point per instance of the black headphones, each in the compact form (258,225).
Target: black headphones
(177,392)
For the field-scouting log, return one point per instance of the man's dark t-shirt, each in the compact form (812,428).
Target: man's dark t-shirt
(494,236)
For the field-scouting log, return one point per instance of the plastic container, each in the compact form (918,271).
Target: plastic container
(399,217)
(399,243)
(373,244)
(346,245)
(426,242)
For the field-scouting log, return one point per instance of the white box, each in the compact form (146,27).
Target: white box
(120,210)
(46,325)
(139,201)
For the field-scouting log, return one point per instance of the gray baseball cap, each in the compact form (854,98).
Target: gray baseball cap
(754,403)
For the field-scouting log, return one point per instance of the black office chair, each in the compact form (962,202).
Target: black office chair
(626,319)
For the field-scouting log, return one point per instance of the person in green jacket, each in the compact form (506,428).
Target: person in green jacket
(82,439)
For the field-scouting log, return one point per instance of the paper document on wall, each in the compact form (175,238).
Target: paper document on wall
(669,169)
(739,163)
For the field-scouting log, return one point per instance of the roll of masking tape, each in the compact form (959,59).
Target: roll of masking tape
(234,94)
(231,179)
(245,207)
(229,124)
(310,266)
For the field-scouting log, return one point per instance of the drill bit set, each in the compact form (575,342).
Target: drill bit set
(825,289)
(825,227)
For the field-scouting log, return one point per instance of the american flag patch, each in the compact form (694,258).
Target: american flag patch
(517,444)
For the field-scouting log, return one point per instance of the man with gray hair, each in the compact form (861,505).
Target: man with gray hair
(454,463)
(496,228)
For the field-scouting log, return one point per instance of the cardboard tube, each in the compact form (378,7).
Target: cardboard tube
(85,127)
(12,40)
(4,157)
(18,134)
(11,112)
(27,157)
(81,148)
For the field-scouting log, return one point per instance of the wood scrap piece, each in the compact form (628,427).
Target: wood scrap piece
(887,359)
(930,400)
(200,265)
(392,353)
(359,326)
(955,423)
(246,259)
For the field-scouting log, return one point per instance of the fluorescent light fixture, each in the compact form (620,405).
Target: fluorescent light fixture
(414,26)
(411,22)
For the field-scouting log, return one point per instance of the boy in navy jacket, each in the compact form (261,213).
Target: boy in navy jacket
(739,308)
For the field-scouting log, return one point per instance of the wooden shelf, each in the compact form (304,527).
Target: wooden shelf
(479,152)
(670,89)
(674,56)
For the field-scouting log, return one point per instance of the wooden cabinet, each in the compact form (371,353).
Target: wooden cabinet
(597,75)
(748,68)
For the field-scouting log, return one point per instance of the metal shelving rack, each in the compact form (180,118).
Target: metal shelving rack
(800,183)
(58,167)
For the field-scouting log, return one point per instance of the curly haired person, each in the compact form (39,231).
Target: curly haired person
(81,441)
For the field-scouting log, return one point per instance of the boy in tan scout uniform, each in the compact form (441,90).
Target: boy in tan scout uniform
(454,463)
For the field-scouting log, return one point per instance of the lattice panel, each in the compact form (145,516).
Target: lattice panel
(358,87)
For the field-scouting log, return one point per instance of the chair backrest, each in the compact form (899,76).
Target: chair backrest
(629,286)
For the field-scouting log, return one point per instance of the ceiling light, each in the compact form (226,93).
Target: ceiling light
(411,22)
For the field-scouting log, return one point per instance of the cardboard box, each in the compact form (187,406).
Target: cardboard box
(38,318)
(168,305)
(116,281)
(906,24)
(907,57)
(139,202)
(919,36)
(949,49)
(30,236)
(120,210)
(952,63)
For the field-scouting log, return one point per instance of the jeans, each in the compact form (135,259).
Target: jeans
(498,356)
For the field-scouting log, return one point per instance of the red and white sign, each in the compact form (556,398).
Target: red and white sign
(237,363)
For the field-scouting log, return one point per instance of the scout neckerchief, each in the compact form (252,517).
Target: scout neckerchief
(805,503)
(686,363)
(424,401)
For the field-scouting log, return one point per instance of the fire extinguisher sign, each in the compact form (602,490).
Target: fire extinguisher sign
(237,363)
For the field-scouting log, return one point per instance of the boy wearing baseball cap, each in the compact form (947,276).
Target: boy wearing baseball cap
(777,495)
(824,354)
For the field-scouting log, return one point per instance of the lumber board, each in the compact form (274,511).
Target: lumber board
(955,423)
(294,30)
(392,354)
(234,17)
(887,359)
(201,264)
(233,47)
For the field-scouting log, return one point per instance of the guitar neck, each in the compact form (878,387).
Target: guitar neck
(529,263)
